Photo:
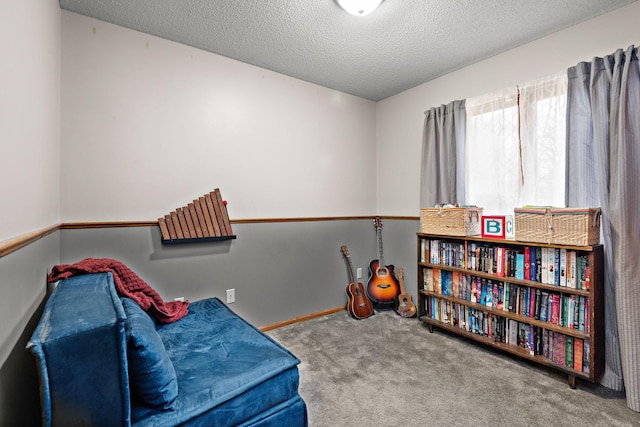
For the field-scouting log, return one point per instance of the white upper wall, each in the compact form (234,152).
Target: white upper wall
(148,125)
(400,119)
(29,116)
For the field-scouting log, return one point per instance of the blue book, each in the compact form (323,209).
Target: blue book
(446,276)
(520,266)
(483,292)
(544,301)
(532,264)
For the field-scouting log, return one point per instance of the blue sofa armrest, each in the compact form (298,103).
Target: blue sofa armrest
(80,350)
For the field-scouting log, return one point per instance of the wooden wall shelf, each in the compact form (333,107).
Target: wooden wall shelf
(196,240)
(204,220)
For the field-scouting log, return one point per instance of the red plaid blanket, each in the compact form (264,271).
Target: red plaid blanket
(128,284)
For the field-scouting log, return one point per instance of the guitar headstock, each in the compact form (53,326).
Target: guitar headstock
(378,222)
(399,271)
(344,250)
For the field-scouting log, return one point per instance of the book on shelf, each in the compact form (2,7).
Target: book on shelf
(455,284)
(524,306)
(525,336)
(424,251)
(490,267)
(569,273)
(437,285)
(444,282)
(544,265)
(474,289)
(538,340)
(499,295)
(556,266)
(568,352)
(433,252)
(573,263)
(515,298)
(554,300)
(532,264)
(559,348)
(471,256)
(581,312)
(586,355)
(587,277)
(562,271)
(483,292)
(539,265)
(544,303)
(527,263)
(538,304)
(513,332)
(465,287)
(520,266)
(532,302)
(551,263)
(505,298)
(546,350)
(587,315)
(577,354)
(571,312)
(427,278)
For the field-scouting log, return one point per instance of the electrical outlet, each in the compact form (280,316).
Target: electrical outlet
(231,296)
(359,273)
(179,299)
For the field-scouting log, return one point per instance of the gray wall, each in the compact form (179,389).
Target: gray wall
(279,270)
(22,292)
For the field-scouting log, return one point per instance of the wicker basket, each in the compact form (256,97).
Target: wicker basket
(570,226)
(451,221)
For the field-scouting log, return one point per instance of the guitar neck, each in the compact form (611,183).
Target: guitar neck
(401,281)
(352,277)
(380,254)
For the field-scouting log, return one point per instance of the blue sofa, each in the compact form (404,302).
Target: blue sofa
(102,361)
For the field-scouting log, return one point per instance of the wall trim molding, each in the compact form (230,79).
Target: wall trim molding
(301,319)
(20,242)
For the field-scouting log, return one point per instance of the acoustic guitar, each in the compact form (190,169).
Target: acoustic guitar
(405,307)
(382,286)
(359,306)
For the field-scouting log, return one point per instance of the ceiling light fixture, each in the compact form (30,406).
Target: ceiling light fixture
(359,7)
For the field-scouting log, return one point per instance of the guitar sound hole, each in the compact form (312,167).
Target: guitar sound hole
(381,272)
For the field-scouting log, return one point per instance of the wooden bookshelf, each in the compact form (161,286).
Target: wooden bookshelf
(502,294)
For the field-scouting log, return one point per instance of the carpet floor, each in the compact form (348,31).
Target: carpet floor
(391,371)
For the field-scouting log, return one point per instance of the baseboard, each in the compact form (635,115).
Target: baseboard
(301,319)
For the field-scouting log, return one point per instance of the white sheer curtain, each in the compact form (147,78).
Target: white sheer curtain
(515,150)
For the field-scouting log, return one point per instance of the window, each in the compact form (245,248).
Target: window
(515,146)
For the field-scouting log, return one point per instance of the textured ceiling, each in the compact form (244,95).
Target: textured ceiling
(400,45)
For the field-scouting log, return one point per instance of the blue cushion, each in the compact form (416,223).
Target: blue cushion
(228,371)
(152,375)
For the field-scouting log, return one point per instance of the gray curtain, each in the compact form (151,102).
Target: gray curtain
(603,169)
(442,176)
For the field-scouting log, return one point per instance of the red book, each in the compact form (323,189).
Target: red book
(587,278)
(527,263)
(577,354)
(555,308)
